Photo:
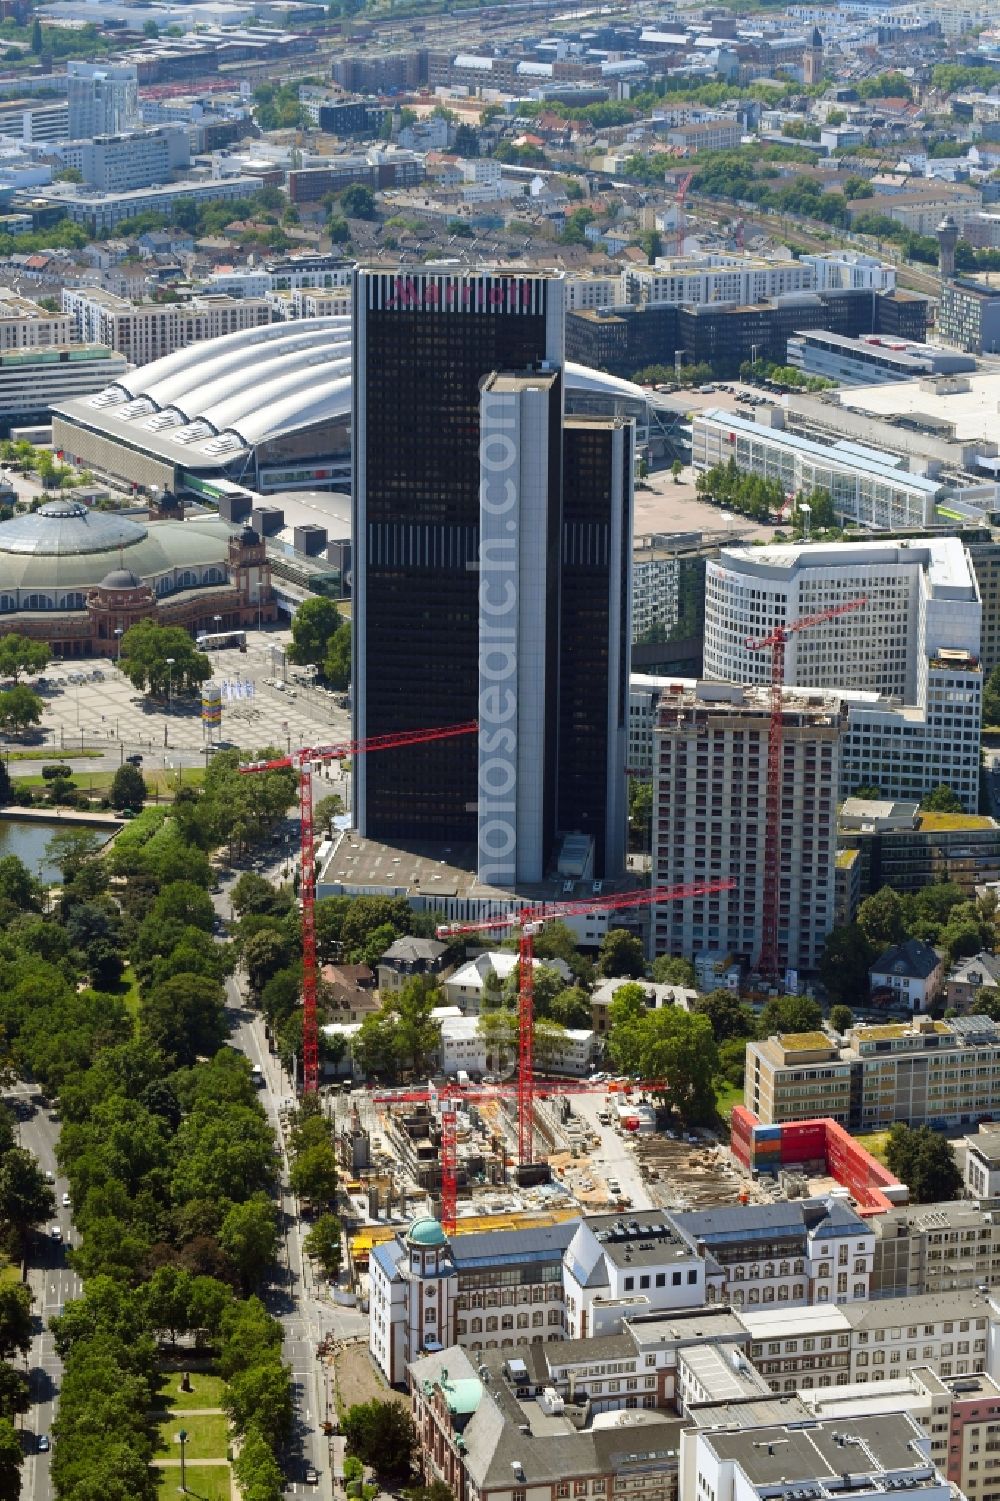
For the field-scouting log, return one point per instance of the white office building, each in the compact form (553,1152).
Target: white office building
(906,663)
(865,484)
(103,99)
(700,279)
(136,159)
(850,269)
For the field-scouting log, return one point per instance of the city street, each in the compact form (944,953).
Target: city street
(307,1316)
(53,1285)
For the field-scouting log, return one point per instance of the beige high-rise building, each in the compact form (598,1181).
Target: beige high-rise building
(709,801)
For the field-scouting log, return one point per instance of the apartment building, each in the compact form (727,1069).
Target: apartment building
(103,212)
(866,485)
(480,1291)
(930,1248)
(705,135)
(592,290)
(147,330)
(870,1342)
(497,1431)
(919,1072)
(26,325)
(712,279)
(709,797)
(906,663)
(922,208)
(34,121)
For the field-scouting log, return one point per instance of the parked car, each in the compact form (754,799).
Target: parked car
(43,1443)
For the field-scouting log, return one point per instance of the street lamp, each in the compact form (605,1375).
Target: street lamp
(218,623)
(182,1439)
(170,679)
(119,633)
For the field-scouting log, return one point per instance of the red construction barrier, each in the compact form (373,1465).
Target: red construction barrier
(803,1142)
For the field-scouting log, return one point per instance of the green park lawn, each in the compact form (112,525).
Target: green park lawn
(204,1482)
(726,1096)
(207,1436)
(874,1142)
(208,1392)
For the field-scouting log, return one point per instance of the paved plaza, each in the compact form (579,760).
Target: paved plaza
(108,714)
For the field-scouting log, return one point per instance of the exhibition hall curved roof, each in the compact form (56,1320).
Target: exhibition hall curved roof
(207,403)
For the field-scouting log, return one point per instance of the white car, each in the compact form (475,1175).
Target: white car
(56,1232)
(65,1201)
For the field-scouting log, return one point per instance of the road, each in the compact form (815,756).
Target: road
(53,1285)
(307,1314)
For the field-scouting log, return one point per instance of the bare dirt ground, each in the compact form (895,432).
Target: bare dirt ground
(688,1176)
(356,1378)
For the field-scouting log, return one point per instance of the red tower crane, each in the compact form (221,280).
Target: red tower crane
(767,962)
(682,192)
(302,761)
(530,919)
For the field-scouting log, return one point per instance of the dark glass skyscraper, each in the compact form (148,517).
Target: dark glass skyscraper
(461,559)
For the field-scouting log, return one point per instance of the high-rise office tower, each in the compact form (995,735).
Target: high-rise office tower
(482,588)
(103,99)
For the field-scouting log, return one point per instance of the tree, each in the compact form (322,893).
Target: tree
(675,469)
(728,1017)
(880,918)
(668,970)
(249,1237)
(11,1452)
(358,202)
(789,1013)
(991,699)
(323,1244)
(942,800)
(256,1469)
(128,787)
(313,624)
(620,954)
(26,1200)
(150,28)
(923,1160)
(841,1018)
(15,1393)
(571,1007)
(156,658)
(498,1030)
(15,1319)
(382,1435)
(337,661)
(640,813)
(843,969)
(185,1016)
(36,36)
(20,709)
(676,1048)
(259,1396)
(313,1174)
(20,654)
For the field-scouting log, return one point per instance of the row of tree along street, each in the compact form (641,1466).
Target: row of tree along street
(169,1157)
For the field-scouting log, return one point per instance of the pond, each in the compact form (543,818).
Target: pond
(28,839)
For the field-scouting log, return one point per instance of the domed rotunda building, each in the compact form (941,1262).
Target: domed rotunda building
(77,578)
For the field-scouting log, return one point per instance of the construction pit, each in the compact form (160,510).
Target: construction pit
(603,1149)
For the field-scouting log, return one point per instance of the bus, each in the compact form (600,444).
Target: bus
(218,640)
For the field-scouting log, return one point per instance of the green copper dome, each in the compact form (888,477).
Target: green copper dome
(426,1232)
